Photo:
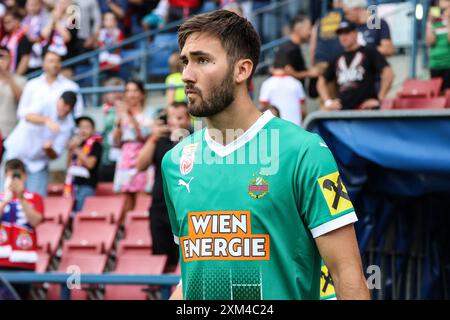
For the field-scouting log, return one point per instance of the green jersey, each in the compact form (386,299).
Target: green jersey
(440,50)
(245,215)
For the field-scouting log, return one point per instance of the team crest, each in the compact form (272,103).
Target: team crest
(335,193)
(187,158)
(3,236)
(258,187)
(24,241)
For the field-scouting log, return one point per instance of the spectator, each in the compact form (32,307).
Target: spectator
(174,79)
(284,91)
(11,86)
(300,32)
(118,7)
(42,135)
(438,38)
(16,40)
(90,23)
(157,17)
(46,89)
(85,152)
(20,212)
(137,10)
(60,33)
(110,35)
(355,72)
(165,135)
(181,9)
(112,105)
(325,45)
(369,36)
(35,20)
(131,131)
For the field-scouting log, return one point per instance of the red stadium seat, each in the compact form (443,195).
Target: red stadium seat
(57,209)
(447,96)
(143,202)
(93,230)
(43,262)
(55,189)
(105,189)
(147,265)
(112,205)
(387,104)
(137,229)
(420,103)
(87,264)
(134,248)
(430,88)
(83,247)
(49,236)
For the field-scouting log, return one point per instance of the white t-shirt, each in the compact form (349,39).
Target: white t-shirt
(286,93)
(26,140)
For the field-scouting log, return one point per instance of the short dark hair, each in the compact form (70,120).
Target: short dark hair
(15,164)
(236,34)
(281,60)
(69,98)
(298,19)
(15,13)
(85,118)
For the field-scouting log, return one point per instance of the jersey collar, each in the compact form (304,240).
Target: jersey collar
(248,135)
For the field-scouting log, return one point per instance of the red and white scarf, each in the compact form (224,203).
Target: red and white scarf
(11,41)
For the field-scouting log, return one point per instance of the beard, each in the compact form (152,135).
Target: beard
(221,96)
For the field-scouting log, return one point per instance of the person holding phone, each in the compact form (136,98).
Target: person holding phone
(171,125)
(20,212)
(438,39)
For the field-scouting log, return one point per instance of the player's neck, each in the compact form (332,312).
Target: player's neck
(240,116)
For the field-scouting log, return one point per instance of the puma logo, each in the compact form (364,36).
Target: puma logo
(183,183)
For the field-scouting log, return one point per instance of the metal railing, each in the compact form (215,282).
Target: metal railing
(166,281)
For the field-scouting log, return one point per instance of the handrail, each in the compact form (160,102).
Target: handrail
(126,42)
(165,280)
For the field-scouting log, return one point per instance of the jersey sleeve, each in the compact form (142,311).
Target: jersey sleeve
(324,203)
(264,95)
(165,168)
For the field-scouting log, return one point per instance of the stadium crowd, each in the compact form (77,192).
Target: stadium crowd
(44,117)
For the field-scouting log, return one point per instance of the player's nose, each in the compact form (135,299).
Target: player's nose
(188,75)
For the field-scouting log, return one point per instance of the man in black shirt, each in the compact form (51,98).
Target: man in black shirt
(167,131)
(300,29)
(355,73)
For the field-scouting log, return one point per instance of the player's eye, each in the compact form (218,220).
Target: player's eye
(202,60)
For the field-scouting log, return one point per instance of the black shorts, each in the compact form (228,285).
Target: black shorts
(444,74)
(162,236)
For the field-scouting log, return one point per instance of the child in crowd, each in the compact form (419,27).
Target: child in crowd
(110,35)
(85,151)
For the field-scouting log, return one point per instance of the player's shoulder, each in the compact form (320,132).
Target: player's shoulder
(193,139)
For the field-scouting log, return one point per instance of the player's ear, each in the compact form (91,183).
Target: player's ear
(243,70)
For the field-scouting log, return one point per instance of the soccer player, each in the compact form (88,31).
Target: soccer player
(254,201)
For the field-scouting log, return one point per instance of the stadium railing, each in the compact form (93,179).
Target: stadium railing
(165,281)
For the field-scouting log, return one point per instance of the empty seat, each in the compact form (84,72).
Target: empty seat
(112,205)
(420,103)
(43,262)
(147,265)
(85,264)
(93,230)
(143,202)
(49,236)
(57,209)
(163,46)
(447,96)
(137,229)
(134,248)
(55,189)
(104,189)
(430,88)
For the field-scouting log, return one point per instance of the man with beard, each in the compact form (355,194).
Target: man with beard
(254,201)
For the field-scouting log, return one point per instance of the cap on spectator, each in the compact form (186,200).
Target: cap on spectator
(351,4)
(85,118)
(345,26)
(70,98)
